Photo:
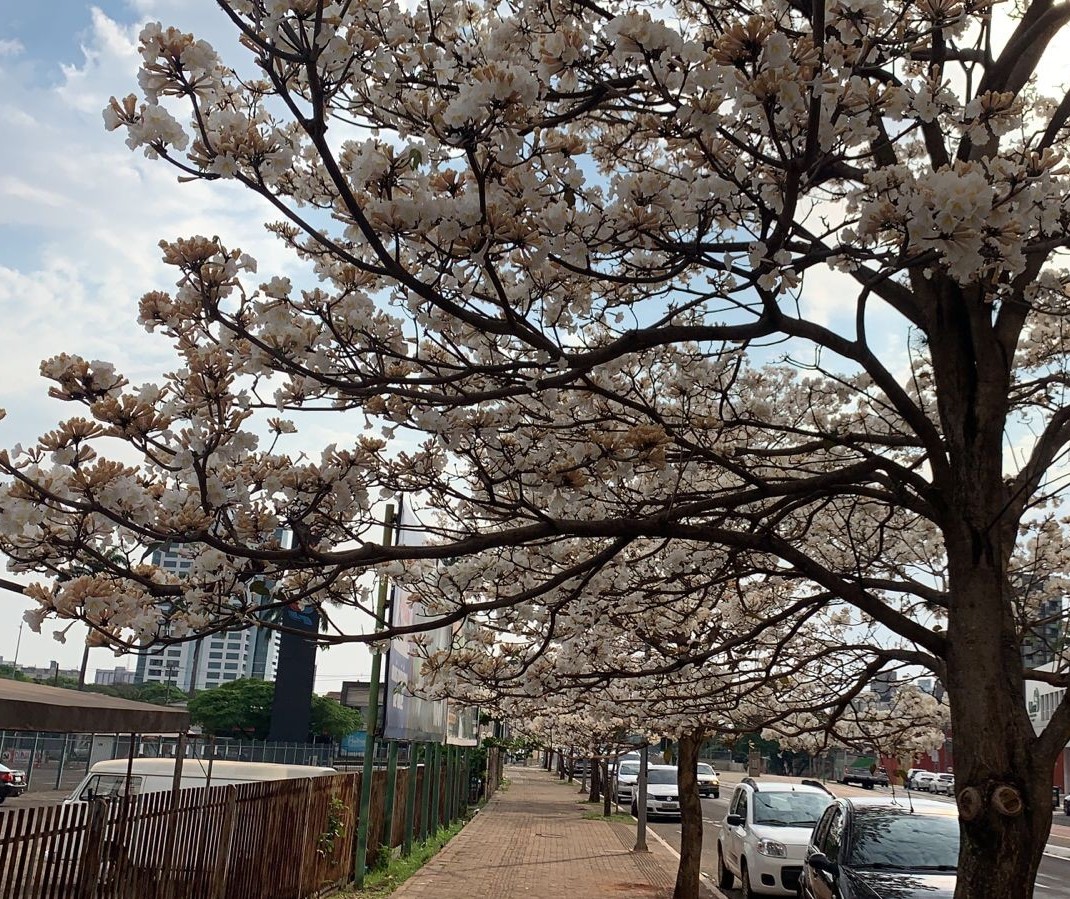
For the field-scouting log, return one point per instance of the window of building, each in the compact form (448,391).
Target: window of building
(212,666)
(231,666)
(215,655)
(233,655)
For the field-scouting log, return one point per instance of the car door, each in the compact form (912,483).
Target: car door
(822,883)
(733,836)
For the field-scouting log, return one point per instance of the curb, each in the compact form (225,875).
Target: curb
(704,879)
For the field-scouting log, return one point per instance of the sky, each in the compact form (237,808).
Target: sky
(80,219)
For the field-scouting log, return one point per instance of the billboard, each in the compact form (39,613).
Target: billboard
(408,717)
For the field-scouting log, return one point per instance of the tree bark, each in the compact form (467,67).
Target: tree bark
(688,871)
(1002,771)
(596,782)
(1002,776)
(607,800)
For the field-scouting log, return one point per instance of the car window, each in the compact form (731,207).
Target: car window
(896,838)
(739,803)
(661,776)
(794,809)
(822,828)
(108,786)
(704,768)
(629,768)
(833,835)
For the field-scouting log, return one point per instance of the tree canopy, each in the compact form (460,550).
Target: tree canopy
(771,290)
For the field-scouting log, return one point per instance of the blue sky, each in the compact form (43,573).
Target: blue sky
(80,218)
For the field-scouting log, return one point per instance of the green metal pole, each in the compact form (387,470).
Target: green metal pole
(391,787)
(410,796)
(451,774)
(426,791)
(371,722)
(436,790)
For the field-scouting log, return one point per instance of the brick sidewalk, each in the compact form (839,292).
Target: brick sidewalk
(532,839)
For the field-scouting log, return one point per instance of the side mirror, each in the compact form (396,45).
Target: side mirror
(735,820)
(821,862)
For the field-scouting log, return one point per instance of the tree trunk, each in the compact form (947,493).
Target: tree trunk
(596,782)
(1002,777)
(687,874)
(1002,770)
(607,800)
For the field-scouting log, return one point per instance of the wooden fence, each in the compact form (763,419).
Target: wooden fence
(287,839)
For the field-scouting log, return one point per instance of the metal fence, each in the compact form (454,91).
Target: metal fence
(61,761)
(290,839)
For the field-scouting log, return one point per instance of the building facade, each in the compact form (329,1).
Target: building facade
(211,661)
(113,676)
(1042,700)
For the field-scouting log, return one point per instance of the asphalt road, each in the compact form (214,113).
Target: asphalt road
(1053,881)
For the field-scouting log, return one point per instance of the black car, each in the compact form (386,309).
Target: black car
(12,783)
(887,848)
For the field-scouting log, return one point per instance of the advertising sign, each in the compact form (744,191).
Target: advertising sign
(408,717)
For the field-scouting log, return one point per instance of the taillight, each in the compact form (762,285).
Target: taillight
(6,777)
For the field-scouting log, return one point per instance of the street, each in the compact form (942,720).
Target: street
(1053,881)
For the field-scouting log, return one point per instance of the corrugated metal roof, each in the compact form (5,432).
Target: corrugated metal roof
(27,706)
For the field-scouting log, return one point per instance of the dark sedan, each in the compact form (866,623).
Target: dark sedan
(901,848)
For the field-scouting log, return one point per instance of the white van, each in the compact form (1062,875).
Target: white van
(108,780)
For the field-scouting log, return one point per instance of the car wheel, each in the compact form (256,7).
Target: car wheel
(724,876)
(716,794)
(3,796)
(745,891)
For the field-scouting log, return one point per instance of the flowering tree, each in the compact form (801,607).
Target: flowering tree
(778,277)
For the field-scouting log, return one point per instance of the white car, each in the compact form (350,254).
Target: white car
(920,780)
(764,836)
(625,780)
(709,782)
(662,792)
(944,783)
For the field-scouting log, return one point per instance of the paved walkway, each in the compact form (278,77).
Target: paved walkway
(531,839)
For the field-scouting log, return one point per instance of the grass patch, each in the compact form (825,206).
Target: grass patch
(383,881)
(616,816)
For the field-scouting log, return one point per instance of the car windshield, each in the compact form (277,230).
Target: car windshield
(629,768)
(705,769)
(661,776)
(896,838)
(793,809)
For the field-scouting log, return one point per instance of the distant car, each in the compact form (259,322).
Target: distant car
(12,782)
(662,792)
(864,777)
(765,834)
(1066,804)
(709,782)
(944,783)
(883,848)
(921,780)
(625,780)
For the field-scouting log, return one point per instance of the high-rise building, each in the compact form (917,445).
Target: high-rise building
(1045,640)
(210,661)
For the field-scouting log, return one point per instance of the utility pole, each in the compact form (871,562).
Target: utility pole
(18,643)
(372,722)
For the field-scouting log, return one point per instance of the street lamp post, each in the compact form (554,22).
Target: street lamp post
(18,643)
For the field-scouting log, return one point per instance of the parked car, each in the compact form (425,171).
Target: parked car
(625,779)
(921,780)
(662,792)
(864,777)
(764,836)
(709,781)
(12,782)
(883,848)
(1066,804)
(944,783)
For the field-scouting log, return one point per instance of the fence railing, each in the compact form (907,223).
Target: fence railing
(288,839)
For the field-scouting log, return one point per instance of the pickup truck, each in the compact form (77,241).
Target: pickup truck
(864,777)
